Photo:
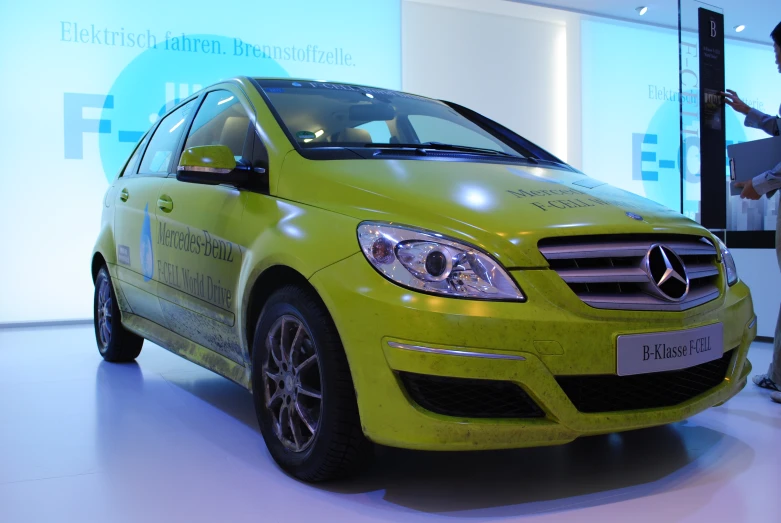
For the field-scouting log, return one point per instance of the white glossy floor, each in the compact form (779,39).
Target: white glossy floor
(163,440)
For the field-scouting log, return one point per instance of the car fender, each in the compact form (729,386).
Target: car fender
(105,246)
(305,240)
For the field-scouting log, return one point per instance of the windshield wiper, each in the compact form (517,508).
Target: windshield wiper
(437,146)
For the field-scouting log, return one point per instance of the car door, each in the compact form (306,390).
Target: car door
(202,245)
(135,220)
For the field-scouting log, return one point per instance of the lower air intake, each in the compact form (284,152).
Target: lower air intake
(644,391)
(470,398)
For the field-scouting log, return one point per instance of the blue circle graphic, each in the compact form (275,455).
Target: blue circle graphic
(160,77)
(664,131)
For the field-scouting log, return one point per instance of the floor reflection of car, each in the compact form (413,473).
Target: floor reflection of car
(380,267)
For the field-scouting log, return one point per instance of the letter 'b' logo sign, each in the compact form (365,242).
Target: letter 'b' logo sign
(713,32)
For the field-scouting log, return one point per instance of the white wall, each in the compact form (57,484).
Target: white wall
(758,268)
(507,61)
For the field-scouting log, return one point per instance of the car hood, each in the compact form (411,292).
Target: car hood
(505,209)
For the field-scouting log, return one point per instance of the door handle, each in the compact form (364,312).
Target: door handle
(165,203)
(124,195)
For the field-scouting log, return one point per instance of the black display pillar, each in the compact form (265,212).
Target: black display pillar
(713,137)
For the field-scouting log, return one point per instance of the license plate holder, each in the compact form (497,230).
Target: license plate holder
(669,350)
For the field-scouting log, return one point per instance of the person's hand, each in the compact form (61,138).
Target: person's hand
(732,99)
(748,191)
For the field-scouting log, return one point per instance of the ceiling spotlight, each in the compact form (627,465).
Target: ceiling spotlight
(739,28)
(642,10)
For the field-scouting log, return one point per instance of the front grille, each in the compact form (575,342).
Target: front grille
(469,398)
(609,272)
(643,391)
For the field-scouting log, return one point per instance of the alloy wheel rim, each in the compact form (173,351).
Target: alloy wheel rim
(104,313)
(292,386)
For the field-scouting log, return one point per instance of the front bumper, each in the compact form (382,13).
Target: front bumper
(554,332)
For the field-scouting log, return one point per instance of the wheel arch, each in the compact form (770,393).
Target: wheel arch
(269,281)
(98,261)
(104,251)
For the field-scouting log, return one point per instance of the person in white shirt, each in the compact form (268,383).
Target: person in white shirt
(765,184)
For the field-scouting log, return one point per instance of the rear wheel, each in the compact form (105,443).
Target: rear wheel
(115,343)
(304,395)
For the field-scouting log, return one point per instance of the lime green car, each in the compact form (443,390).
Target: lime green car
(380,267)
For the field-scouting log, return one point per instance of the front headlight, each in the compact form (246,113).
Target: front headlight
(729,264)
(427,262)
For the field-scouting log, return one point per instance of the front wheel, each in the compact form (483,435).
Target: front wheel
(115,343)
(304,395)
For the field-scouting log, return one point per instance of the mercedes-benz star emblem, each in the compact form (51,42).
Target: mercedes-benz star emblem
(667,273)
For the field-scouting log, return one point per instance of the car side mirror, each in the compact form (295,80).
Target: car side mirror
(211,165)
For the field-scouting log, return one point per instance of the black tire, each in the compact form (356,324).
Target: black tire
(116,344)
(337,448)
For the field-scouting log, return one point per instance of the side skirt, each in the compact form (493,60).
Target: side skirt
(187,349)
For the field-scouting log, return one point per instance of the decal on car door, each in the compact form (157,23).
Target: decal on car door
(123,255)
(147,255)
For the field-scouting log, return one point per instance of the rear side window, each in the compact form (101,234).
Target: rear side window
(162,146)
(132,164)
(221,120)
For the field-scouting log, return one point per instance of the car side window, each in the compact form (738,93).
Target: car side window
(162,146)
(221,120)
(130,167)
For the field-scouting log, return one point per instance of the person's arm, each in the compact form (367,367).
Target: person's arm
(760,120)
(766,183)
(754,118)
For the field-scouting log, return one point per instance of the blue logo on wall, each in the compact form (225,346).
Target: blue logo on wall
(154,82)
(145,249)
(635,216)
(656,153)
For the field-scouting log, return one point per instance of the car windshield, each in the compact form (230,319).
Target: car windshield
(320,114)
